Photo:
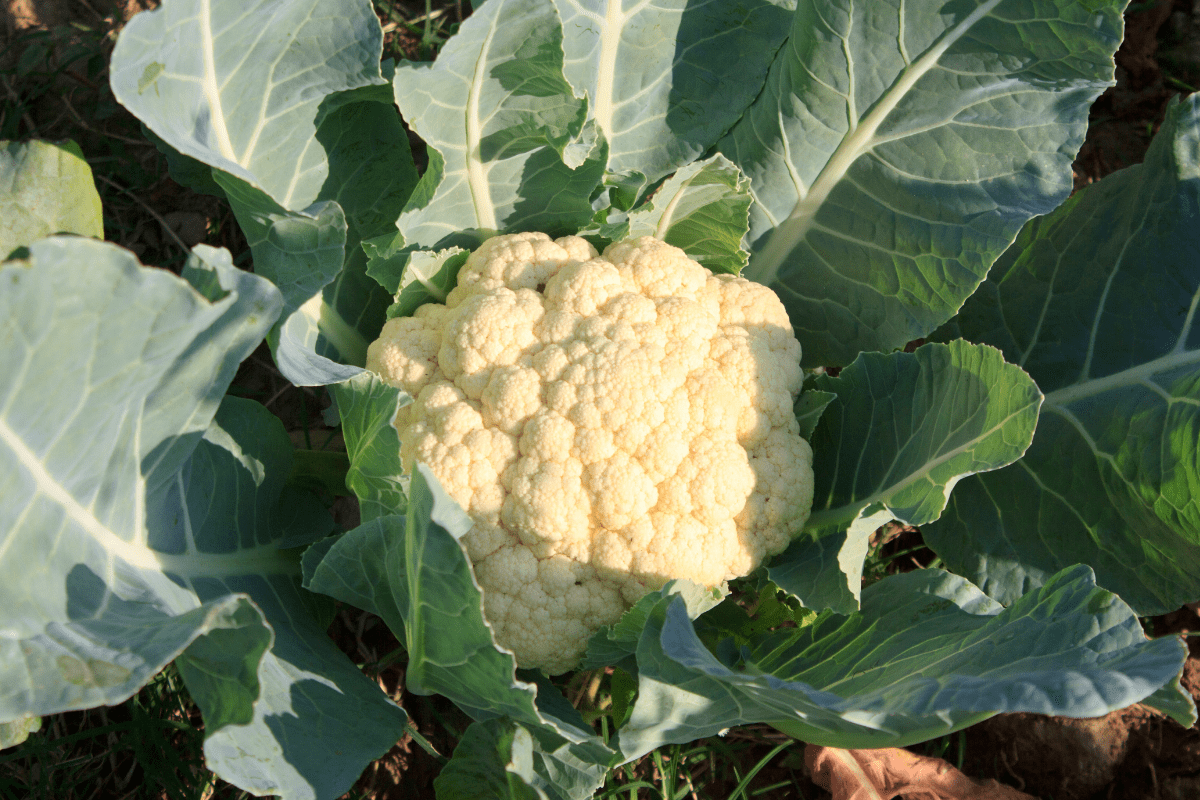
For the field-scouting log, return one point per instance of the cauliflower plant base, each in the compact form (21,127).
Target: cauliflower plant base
(609,423)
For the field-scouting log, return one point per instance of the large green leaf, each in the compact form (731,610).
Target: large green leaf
(312,700)
(665,80)
(903,429)
(243,85)
(102,408)
(145,530)
(414,573)
(928,654)
(898,146)
(497,115)
(308,151)
(45,188)
(1098,301)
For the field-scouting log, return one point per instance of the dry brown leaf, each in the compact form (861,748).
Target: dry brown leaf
(892,772)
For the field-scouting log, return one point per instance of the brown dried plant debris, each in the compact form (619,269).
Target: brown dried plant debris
(892,772)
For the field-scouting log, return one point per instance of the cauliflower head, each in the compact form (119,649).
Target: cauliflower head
(608,422)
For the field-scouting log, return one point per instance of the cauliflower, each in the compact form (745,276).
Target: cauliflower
(608,422)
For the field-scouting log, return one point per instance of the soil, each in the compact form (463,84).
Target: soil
(1132,754)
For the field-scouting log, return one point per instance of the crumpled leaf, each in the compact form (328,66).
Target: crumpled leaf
(892,772)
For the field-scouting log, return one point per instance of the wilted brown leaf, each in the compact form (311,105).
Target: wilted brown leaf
(893,772)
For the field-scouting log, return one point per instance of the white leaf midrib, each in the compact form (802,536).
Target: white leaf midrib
(787,236)
(606,66)
(849,512)
(258,560)
(1133,376)
(477,170)
(211,89)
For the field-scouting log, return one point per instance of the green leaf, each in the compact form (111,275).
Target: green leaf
(309,152)
(498,758)
(300,252)
(493,759)
(732,624)
(623,690)
(665,80)
(371,178)
(498,113)
(311,699)
(367,406)
(897,149)
(810,405)
(927,655)
(1098,301)
(321,471)
(313,255)
(903,429)
(414,573)
(126,402)
(428,278)
(154,519)
(616,644)
(15,732)
(701,209)
(243,86)
(45,188)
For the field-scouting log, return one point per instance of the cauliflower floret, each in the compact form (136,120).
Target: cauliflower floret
(608,422)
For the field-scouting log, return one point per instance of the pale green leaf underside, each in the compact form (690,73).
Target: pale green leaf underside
(664,80)
(903,429)
(927,655)
(897,148)
(242,86)
(145,531)
(45,188)
(1099,302)
(139,364)
(312,702)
